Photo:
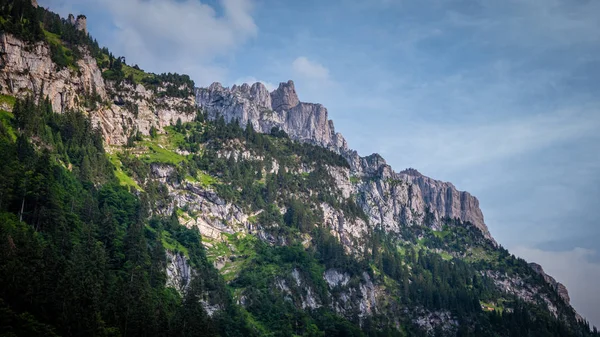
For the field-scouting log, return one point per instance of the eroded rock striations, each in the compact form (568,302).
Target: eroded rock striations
(390,199)
(28,68)
(281,108)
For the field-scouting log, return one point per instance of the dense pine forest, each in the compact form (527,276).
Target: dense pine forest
(88,232)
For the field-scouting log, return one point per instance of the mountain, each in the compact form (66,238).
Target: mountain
(135,203)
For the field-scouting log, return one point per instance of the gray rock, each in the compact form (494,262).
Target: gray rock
(559,287)
(179,272)
(285,97)
(301,121)
(81,23)
(388,198)
(28,68)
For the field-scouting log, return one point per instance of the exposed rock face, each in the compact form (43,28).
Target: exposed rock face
(253,104)
(179,271)
(559,287)
(81,23)
(445,200)
(117,121)
(28,68)
(34,3)
(285,97)
(390,199)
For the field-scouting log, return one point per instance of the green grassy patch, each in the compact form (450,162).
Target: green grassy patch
(490,306)
(477,254)
(162,148)
(441,234)
(354,179)
(123,178)
(158,154)
(173,245)
(52,38)
(138,74)
(8,100)
(445,256)
(238,250)
(60,54)
(204,179)
(6,121)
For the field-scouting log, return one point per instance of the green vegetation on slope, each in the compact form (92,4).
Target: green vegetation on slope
(83,233)
(78,259)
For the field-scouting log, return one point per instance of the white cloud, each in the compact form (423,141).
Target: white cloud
(305,68)
(186,36)
(251,80)
(575,271)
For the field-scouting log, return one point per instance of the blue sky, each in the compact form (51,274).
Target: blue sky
(500,97)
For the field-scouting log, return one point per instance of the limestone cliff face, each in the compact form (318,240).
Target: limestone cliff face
(281,108)
(390,199)
(28,69)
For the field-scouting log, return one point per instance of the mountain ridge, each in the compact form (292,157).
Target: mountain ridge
(308,122)
(265,203)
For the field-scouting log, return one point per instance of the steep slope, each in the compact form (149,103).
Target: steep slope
(389,198)
(247,216)
(120,106)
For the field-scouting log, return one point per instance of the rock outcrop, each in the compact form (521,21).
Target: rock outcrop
(559,287)
(281,109)
(390,199)
(81,23)
(28,68)
(179,271)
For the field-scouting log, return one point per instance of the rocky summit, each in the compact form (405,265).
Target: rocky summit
(386,201)
(136,204)
(281,108)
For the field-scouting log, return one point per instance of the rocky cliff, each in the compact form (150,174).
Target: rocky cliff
(272,216)
(390,199)
(559,287)
(281,108)
(123,108)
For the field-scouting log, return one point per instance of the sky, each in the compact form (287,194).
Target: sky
(499,97)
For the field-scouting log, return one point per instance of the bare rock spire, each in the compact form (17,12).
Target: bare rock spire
(285,97)
(81,23)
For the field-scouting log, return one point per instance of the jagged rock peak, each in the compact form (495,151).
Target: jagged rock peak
(281,108)
(308,122)
(80,22)
(34,3)
(215,86)
(411,172)
(559,287)
(284,97)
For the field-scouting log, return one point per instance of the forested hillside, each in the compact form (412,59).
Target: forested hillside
(209,227)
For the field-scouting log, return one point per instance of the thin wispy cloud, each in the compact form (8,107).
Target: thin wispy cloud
(304,68)
(163,35)
(463,145)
